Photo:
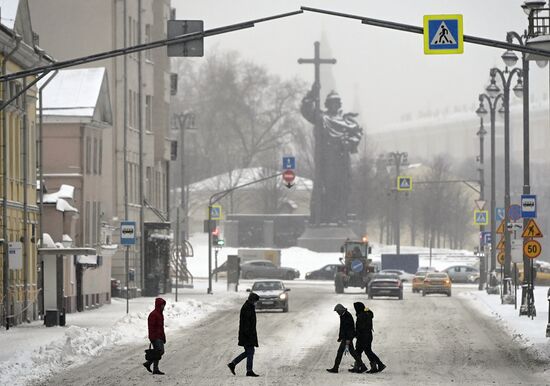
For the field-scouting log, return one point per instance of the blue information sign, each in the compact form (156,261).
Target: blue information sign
(528,206)
(127,232)
(289,163)
(485,238)
(499,214)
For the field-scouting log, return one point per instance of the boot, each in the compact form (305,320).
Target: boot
(156,371)
(362,368)
(147,365)
(251,374)
(381,367)
(231,367)
(373,368)
(333,370)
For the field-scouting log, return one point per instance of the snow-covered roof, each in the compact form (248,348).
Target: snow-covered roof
(244,176)
(77,93)
(8,12)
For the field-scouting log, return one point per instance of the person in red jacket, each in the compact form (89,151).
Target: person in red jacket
(155,322)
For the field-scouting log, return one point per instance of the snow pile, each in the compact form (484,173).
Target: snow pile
(527,332)
(74,345)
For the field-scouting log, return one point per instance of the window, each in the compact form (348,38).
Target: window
(88,155)
(148,40)
(130,115)
(96,156)
(148,113)
(94,224)
(100,156)
(86,223)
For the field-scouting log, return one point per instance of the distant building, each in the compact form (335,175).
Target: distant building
(19,217)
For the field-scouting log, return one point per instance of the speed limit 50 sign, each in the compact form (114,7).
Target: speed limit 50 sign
(532,249)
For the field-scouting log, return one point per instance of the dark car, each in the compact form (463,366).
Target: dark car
(325,273)
(272,293)
(254,269)
(386,285)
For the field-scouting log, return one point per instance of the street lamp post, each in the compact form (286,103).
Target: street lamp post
(397,159)
(482,263)
(492,97)
(506,79)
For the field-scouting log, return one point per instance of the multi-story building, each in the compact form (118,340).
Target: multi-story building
(139,85)
(19,217)
(76,110)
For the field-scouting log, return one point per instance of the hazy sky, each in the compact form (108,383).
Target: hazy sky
(384,72)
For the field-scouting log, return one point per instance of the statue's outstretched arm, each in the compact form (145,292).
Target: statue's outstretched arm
(308,106)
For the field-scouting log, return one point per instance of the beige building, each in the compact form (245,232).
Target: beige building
(139,88)
(76,113)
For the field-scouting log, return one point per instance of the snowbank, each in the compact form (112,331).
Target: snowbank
(33,352)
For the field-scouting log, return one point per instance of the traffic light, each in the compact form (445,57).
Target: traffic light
(215,235)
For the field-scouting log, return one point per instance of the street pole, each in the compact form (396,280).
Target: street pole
(209,291)
(176,254)
(481,133)
(397,214)
(506,78)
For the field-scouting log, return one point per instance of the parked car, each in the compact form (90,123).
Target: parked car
(385,285)
(462,274)
(254,269)
(418,281)
(403,276)
(325,273)
(272,293)
(426,269)
(436,283)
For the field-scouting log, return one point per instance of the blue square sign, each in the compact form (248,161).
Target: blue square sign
(127,232)
(528,206)
(443,34)
(289,163)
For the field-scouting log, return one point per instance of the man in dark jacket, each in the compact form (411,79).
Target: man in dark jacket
(363,329)
(345,337)
(248,337)
(155,322)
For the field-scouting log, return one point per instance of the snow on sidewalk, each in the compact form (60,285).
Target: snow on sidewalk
(32,352)
(527,332)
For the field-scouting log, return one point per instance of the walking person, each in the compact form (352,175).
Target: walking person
(345,337)
(363,330)
(248,337)
(155,323)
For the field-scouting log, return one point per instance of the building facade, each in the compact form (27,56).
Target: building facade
(19,217)
(136,150)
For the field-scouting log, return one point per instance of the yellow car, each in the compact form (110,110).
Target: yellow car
(542,273)
(436,283)
(418,281)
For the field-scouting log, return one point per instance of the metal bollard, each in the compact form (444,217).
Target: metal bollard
(548,325)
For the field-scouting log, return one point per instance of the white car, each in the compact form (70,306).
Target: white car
(272,293)
(403,276)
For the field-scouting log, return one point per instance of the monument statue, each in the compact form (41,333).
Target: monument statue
(337,135)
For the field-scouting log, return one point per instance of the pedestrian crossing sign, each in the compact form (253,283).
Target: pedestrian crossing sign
(216,212)
(404,183)
(481,217)
(443,34)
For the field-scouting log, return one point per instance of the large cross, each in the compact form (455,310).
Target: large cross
(319,189)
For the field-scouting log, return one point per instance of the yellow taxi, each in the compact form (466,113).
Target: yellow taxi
(436,283)
(418,281)
(542,273)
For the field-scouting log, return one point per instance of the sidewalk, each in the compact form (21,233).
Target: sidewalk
(32,351)
(528,333)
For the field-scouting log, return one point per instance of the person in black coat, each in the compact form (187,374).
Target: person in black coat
(363,329)
(248,337)
(345,337)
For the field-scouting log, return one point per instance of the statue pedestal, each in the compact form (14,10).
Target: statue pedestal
(325,238)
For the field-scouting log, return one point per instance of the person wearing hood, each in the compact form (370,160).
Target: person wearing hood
(248,337)
(345,338)
(363,329)
(155,323)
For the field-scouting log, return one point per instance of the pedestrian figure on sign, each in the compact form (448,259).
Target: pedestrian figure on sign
(248,337)
(345,338)
(443,35)
(155,323)
(363,330)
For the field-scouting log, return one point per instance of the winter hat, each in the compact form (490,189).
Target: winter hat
(359,307)
(340,308)
(253,297)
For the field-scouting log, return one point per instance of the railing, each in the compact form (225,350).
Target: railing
(539,23)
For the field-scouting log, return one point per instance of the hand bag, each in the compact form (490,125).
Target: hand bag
(151,354)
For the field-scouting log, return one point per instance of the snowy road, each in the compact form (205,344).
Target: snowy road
(423,340)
